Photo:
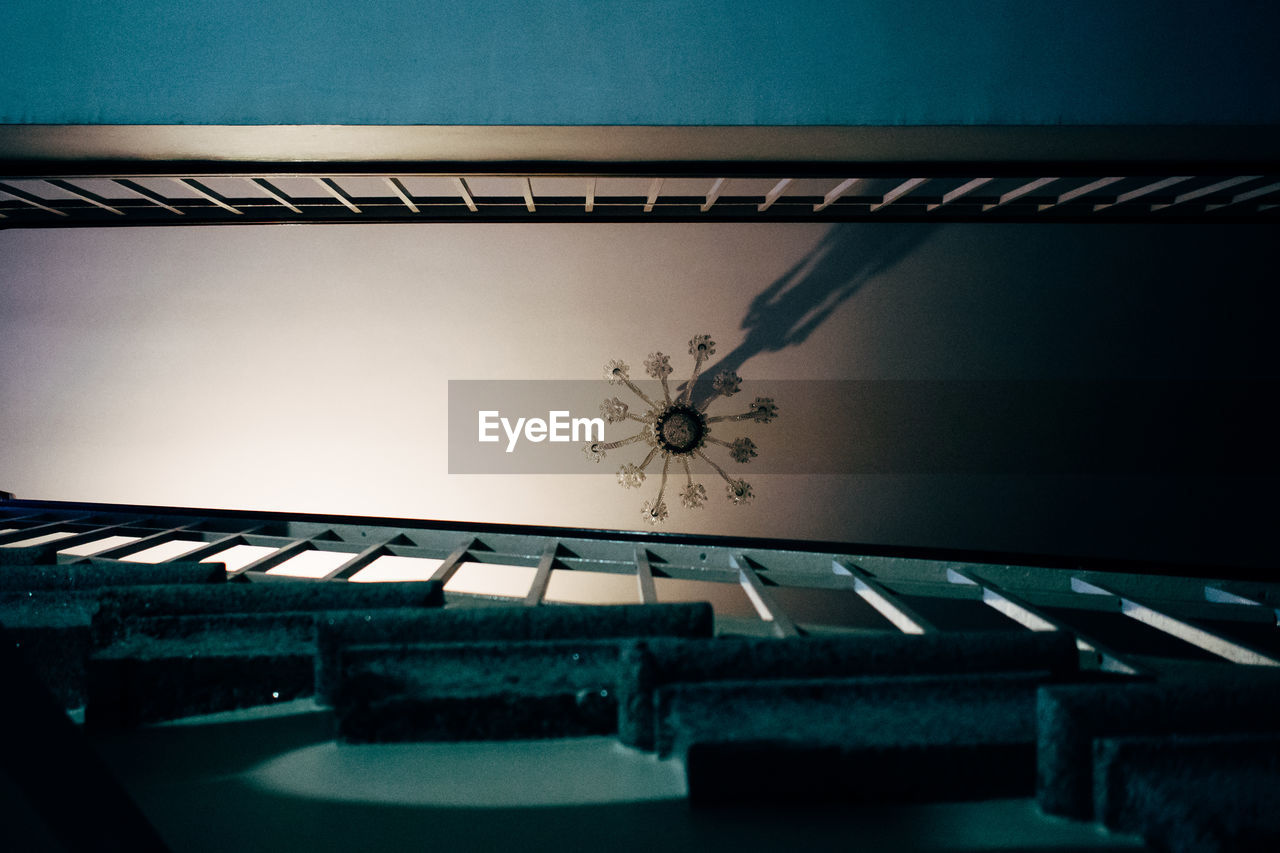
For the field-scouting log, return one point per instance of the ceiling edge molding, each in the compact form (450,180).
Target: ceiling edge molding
(634,144)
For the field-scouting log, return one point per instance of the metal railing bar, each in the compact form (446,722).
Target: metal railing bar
(274,192)
(84,194)
(884,600)
(898,192)
(337,192)
(1185,630)
(959,192)
(206,193)
(527,191)
(1246,196)
(774,194)
(761,600)
(835,193)
(1209,190)
(1015,194)
(446,570)
(28,198)
(1079,191)
(1143,190)
(1033,618)
(543,574)
(399,189)
(465,192)
(358,562)
(714,193)
(158,538)
(644,576)
(150,195)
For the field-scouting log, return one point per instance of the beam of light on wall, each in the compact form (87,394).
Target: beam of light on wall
(237,557)
(1188,633)
(1221,596)
(756,601)
(165,551)
(581,587)
(1106,662)
(1085,588)
(311,564)
(38,540)
(390,568)
(886,609)
(883,605)
(993,599)
(726,599)
(492,579)
(1016,612)
(1195,636)
(97,546)
(1024,616)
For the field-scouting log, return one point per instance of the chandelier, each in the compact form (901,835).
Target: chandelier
(678,429)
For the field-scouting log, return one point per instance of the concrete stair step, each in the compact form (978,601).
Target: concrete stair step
(649,665)
(99,575)
(1072,718)
(127,611)
(48,611)
(501,624)
(1215,792)
(474,691)
(168,654)
(870,712)
(133,690)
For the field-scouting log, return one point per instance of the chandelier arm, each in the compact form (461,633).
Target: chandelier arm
(723,418)
(687,394)
(624,442)
(662,486)
(648,459)
(707,403)
(635,390)
(666,390)
(687,473)
(718,469)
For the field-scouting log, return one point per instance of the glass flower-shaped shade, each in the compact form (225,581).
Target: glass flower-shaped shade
(655,511)
(727,382)
(614,410)
(763,410)
(743,450)
(740,492)
(693,495)
(630,476)
(701,346)
(616,372)
(658,365)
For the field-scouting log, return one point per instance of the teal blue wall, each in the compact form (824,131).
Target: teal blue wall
(744,62)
